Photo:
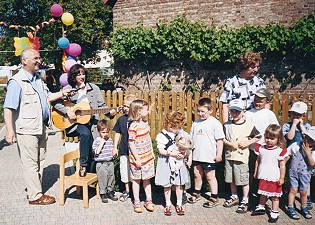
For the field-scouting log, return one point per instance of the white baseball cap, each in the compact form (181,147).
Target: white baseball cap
(299,107)
(237,104)
(311,132)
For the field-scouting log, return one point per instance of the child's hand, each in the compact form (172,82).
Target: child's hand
(234,146)
(218,159)
(296,121)
(138,163)
(243,144)
(179,155)
(115,152)
(255,175)
(306,147)
(281,181)
(188,163)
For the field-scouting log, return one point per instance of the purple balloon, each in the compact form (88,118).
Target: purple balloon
(56,10)
(74,49)
(69,63)
(63,79)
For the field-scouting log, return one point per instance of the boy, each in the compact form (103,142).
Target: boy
(302,161)
(259,115)
(103,156)
(207,136)
(239,135)
(121,137)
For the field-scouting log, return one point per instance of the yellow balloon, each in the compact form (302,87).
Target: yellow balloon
(67,19)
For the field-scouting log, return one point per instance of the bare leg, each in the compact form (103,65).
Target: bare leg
(136,190)
(233,188)
(198,173)
(212,180)
(167,194)
(275,204)
(291,197)
(179,194)
(147,189)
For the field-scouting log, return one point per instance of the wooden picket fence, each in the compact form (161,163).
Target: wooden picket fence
(185,102)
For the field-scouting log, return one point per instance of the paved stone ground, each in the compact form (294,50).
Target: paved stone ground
(14,208)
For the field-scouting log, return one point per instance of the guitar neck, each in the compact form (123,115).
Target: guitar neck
(95,111)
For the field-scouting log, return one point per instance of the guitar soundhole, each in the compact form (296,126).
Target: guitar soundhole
(78,112)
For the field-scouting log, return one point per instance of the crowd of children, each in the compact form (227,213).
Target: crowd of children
(252,144)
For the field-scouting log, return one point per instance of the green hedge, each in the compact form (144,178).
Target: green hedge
(182,39)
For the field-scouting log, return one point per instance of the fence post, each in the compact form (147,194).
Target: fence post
(160,110)
(189,110)
(285,108)
(153,115)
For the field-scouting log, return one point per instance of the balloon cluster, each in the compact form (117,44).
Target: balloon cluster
(72,49)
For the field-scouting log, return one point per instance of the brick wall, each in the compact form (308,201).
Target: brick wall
(233,13)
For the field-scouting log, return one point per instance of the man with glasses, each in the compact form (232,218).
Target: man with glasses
(243,86)
(26,114)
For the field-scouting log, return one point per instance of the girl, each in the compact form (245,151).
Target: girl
(166,174)
(141,154)
(270,170)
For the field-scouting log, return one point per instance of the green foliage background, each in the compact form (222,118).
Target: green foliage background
(92,24)
(187,41)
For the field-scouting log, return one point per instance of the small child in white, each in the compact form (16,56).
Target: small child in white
(103,147)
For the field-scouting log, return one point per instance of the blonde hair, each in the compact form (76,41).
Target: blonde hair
(249,58)
(275,131)
(135,106)
(173,118)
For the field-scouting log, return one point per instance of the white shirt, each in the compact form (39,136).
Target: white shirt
(204,134)
(261,119)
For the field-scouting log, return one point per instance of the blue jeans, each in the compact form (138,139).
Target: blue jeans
(86,140)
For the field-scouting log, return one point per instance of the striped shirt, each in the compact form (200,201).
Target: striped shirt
(106,153)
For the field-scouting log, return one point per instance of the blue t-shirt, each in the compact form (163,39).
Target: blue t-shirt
(298,137)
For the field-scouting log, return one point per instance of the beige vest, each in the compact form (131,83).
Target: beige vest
(28,117)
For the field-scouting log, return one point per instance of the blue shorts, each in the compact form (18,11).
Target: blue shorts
(204,165)
(299,181)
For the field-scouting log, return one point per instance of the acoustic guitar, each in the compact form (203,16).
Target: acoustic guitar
(82,111)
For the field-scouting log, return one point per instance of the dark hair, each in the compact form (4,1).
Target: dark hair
(206,102)
(102,124)
(74,71)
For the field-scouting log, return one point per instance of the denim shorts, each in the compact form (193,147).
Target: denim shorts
(204,165)
(299,181)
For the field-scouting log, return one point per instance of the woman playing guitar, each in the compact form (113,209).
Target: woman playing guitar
(86,92)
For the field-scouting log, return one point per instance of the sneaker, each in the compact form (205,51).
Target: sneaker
(111,196)
(230,202)
(124,196)
(137,208)
(212,202)
(242,208)
(104,198)
(306,213)
(258,211)
(149,206)
(309,203)
(194,198)
(292,213)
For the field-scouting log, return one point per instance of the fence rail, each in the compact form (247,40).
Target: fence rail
(185,102)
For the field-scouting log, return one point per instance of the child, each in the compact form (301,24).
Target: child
(270,170)
(121,137)
(207,135)
(141,154)
(259,115)
(171,169)
(239,134)
(302,161)
(293,131)
(103,156)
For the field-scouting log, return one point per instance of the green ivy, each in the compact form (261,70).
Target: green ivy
(182,39)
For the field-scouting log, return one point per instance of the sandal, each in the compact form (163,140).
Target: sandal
(180,210)
(194,198)
(230,202)
(167,211)
(137,208)
(212,202)
(149,206)
(242,208)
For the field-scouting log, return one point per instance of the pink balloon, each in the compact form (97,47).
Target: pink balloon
(56,10)
(63,79)
(74,49)
(69,63)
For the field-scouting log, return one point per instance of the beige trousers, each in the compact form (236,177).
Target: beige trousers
(32,151)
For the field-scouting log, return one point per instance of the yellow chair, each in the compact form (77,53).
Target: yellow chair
(75,179)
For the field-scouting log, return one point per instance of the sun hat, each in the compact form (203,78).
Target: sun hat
(299,107)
